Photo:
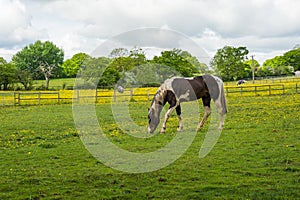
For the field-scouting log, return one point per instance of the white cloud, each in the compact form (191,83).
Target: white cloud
(264,26)
(15,23)
(262,48)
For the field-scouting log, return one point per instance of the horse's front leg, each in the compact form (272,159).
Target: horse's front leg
(207,112)
(167,116)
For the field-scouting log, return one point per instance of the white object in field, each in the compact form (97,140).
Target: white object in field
(120,89)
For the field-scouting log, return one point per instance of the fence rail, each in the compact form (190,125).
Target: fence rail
(257,89)
(270,80)
(134,94)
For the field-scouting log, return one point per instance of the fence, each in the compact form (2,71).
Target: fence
(256,89)
(268,80)
(35,96)
(132,94)
(68,96)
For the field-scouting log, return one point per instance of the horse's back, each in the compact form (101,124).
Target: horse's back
(189,89)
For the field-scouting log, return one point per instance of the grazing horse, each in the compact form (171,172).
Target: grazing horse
(176,90)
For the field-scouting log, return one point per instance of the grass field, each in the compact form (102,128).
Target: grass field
(256,157)
(59,83)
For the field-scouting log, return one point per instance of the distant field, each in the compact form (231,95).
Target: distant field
(69,82)
(56,83)
(60,91)
(256,157)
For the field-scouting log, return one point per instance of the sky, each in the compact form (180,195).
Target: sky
(267,28)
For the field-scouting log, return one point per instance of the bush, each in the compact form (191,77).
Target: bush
(153,84)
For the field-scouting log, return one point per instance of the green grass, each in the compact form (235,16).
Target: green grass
(256,157)
(55,83)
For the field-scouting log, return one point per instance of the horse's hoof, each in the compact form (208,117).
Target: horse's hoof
(179,129)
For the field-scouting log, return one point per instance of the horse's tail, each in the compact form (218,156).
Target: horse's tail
(222,98)
(216,90)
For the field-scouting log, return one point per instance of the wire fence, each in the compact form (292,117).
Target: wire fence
(267,80)
(131,94)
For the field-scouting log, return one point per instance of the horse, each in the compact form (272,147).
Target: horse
(177,90)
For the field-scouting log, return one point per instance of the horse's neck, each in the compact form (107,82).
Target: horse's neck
(161,93)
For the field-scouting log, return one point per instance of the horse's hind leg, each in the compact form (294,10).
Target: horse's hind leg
(178,111)
(221,107)
(222,119)
(206,103)
(207,112)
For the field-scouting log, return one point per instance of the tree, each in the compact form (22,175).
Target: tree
(93,70)
(25,78)
(138,56)
(7,73)
(201,68)
(279,66)
(229,62)
(122,64)
(248,67)
(292,58)
(175,61)
(40,58)
(119,52)
(109,77)
(71,66)
(124,60)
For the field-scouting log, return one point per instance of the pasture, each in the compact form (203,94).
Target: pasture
(256,157)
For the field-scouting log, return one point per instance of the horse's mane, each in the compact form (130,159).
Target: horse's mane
(159,95)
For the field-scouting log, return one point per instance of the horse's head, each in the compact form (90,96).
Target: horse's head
(153,120)
(154,111)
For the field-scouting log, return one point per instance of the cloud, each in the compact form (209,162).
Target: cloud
(77,25)
(262,48)
(15,23)
(150,38)
(235,18)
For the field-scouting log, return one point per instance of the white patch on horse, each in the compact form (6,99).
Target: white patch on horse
(167,85)
(185,96)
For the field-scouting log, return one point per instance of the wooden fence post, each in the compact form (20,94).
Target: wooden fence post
(39,98)
(14,98)
(131,93)
(148,95)
(58,97)
(19,98)
(96,97)
(115,95)
(78,97)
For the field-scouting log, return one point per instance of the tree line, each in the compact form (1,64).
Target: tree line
(44,60)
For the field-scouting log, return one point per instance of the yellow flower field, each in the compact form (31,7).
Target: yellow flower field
(133,94)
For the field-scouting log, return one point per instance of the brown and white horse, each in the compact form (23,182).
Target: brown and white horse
(176,90)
